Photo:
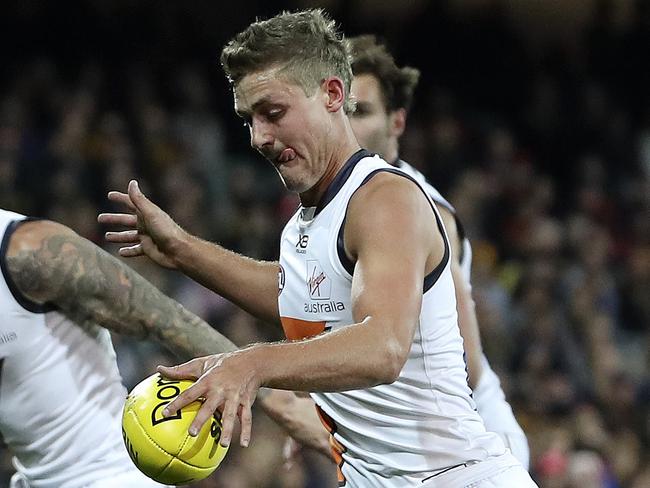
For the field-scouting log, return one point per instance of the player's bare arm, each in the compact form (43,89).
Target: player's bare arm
(393,252)
(467,321)
(297,415)
(49,263)
(52,264)
(250,284)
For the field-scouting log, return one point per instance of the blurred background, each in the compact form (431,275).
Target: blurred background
(532,117)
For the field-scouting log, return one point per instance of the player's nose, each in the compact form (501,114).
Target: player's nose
(261,136)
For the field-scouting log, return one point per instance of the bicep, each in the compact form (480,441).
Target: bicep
(38,259)
(386,282)
(52,264)
(392,248)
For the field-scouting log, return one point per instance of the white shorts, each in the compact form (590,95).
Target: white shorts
(498,472)
(128,479)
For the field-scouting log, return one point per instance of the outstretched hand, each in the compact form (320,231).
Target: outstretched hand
(151,231)
(224,382)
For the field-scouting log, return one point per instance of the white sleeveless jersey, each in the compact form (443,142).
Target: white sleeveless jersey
(394,435)
(61,394)
(490,399)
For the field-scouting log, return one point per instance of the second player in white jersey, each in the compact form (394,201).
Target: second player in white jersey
(61,394)
(384,93)
(403,433)
(490,399)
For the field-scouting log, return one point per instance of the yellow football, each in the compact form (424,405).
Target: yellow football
(161,447)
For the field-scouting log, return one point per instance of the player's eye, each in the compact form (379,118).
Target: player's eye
(275,114)
(360,112)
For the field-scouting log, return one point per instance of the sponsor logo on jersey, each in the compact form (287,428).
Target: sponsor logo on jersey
(301,245)
(324,307)
(319,285)
(320,288)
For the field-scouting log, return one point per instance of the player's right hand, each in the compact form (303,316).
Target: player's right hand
(151,231)
(297,416)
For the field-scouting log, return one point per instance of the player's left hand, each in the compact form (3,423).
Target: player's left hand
(222,380)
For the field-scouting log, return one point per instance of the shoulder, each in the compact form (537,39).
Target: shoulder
(389,206)
(387,190)
(30,235)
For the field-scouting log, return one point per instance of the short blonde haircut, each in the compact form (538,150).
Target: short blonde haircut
(306,45)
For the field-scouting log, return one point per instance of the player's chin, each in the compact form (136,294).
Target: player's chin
(293,182)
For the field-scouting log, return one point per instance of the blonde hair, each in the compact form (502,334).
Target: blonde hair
(306,45)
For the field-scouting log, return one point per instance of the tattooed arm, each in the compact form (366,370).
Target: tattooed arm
(49,263)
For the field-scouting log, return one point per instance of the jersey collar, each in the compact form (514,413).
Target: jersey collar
(340,179)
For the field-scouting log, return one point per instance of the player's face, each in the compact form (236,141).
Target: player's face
(287,127)
(370,121)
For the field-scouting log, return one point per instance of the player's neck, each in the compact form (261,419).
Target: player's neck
(337,158)
(392,152)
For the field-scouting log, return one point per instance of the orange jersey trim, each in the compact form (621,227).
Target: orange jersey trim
(296,329)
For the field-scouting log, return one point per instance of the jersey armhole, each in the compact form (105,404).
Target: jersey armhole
(22,300)
(348,265)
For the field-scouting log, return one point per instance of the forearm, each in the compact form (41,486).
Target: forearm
(467,322)
(250,284)
(50,263)
(468,325)
(172,325)
(354,357)
(298,417)
(471,338)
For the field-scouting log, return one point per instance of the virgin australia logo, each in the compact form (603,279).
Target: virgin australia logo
(318,284)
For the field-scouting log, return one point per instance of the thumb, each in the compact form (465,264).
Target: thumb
(140,201)
(190,370)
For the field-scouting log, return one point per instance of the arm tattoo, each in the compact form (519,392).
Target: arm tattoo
(92,287)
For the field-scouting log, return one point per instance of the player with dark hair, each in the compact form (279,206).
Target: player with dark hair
(384,93)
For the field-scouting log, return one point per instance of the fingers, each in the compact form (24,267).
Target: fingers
(186,397)
(228,417)
(123,237)
(135,195)
(215,391)
(134,199)
(121,198)
(131,251)
(203,415)
(246,420)
(125,220)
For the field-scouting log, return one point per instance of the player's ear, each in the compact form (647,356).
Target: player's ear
(334,93)
(397,122)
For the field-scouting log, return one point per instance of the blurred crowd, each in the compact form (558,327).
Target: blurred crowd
(538,133)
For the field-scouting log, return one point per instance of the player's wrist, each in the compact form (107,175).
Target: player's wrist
(181,248)
(259,364)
